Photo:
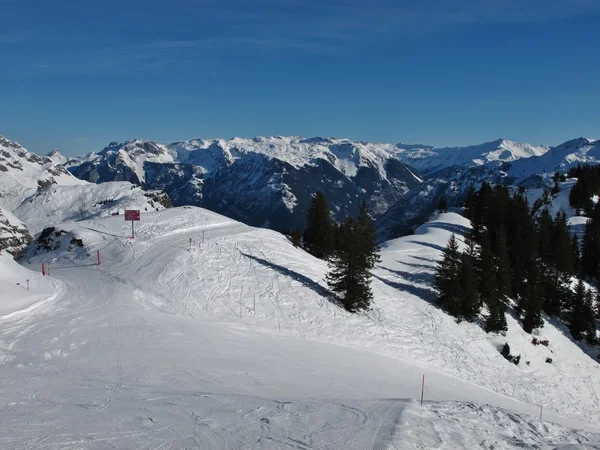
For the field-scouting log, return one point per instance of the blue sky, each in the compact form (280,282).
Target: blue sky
(78,74)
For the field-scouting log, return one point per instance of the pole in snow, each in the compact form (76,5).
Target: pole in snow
(98,257)
(132,232)
(27,283)
(203,237)
(43,270)
(422,389)
(540,412)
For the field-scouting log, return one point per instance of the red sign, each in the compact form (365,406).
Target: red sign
(132,214)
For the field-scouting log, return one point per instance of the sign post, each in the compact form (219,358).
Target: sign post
(134,216)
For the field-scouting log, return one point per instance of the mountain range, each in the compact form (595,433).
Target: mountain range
(268,181)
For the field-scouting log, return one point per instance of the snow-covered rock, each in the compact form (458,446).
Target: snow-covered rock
(58,204)
(14,235)
(23,173)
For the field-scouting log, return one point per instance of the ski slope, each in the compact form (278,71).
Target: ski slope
(203,332)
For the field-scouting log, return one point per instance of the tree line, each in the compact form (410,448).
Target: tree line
(587,185)
(513,254)
(350,249)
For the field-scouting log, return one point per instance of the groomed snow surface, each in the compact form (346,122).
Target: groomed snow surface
(205,333)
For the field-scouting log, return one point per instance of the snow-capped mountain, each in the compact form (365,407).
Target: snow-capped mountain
(266,181)
(23,173)
(502,161)
(429,160)
(14,235)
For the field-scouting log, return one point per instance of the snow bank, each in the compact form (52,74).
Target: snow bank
(14,295)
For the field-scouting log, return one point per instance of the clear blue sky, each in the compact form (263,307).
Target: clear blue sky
(78,74)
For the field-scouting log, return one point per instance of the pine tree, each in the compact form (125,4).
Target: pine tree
(296,236)
(488,289)
(576,255)
(443,206)
(470,203)
(448,278)
(319,233)
(590,253)
(521,243)
(531,303)
(352,261)
(581,314)
(503,264)
(469,297)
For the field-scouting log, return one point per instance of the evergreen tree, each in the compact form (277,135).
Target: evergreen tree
(521,243)
(481,210)
(367,241)
(448,278)
(576,256)
(319,233)
(531,304)
(503,265)
(590,254)
(469,298)
(443,206)
(296,236)
(581,314)
(490,295)
(557,264)
(470,203)
(544,234)
(352,261)
(488,289)
(555,187)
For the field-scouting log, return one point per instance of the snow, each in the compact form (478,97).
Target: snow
(22,173)
(560,158)
(429,160)
(346,155)
(13,286)
(68,203)
(228,341)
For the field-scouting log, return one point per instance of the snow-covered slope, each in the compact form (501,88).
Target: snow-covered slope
(57,204)
(265,181)
(14,293)
(23,173)
(14,235)
(214,320)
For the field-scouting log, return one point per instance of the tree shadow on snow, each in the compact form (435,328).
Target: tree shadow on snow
(421,258)
(419,277)
(417,266)
(423,293)
(316,287)
(428,244)
(452,227)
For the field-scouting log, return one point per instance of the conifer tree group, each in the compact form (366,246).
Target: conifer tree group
(531,259)
(350,249)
